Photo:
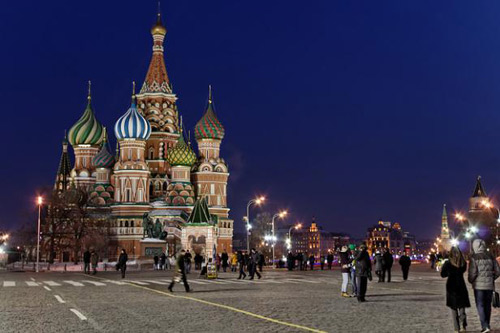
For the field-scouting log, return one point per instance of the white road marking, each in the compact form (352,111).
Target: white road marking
(78,314)
(73,283)
(155,282)
(95,283)
(32,279)
(31,284)
(120,283)
(47,288)
(139,282)
(197,282)
(51,283)
(229,281)
(59,299)
(9,283)
(273,281)
(303,280)
(290,281)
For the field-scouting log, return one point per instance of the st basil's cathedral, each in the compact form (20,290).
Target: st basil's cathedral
(156,193)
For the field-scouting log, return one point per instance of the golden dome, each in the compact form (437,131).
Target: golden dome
(158,28)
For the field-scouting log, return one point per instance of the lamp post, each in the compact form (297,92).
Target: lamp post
(256,201)
(280,215)
(39,202)
(296,227)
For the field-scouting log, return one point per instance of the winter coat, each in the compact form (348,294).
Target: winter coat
(363,264)
(345,262)
(94,259)
(86,257)
(405,262)
(329,258)
(234,259)
(179,264)
(456,291)
(483,268)
(388,260)
(379,262)
(254,258)
(224,259)
(122,260)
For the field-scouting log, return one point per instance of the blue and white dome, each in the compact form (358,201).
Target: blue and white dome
(132,125)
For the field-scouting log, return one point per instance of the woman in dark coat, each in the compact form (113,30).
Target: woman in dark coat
(457,297)
(122,262)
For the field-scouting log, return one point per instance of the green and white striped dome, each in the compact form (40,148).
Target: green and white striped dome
(87,130)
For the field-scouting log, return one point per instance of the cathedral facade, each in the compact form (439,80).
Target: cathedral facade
(156,193)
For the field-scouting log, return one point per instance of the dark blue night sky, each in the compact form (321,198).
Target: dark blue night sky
(350,111)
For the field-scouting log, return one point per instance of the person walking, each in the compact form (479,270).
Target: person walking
(311,261)
(388,261)
(483,271)
(241,264)
(363,272)
(198,259)
(322,262)
(225,260)
(260,263)
(187,258)
(86,262)
(300,260)
(234,262)
(289,261)
(94,260)
(122,262)
(345,268)
(378,260)
(457,297)
(329,259)
(180,272)
(163,260)
(405,263)
(254,260)
(354,279)
(432,259)
(218,262)
(156,259)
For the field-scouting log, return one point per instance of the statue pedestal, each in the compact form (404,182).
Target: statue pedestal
(151,247)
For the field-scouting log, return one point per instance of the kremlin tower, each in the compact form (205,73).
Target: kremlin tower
(63,177)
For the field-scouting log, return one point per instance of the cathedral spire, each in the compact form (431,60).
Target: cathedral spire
(157,79)
(445,231)
(63,171)
(479,190)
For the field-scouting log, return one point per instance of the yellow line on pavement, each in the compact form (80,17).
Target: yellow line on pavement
(227,307)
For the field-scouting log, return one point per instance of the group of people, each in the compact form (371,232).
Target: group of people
(483,271)
(251,262)
(163,262)
(302,260)
(90,258)
(356,269)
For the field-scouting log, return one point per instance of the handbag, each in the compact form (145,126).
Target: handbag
(495,302)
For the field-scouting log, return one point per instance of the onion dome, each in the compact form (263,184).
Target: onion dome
(87,130)
(209,127)
(181,153)
(103,159)
(132,125)
(158,28)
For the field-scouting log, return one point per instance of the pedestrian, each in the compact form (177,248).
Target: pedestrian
(241,264)
(363,272)
(354,279)
(322,262)
(198,259)
(156,259)
(483,271)
(329,259)
(300,257)
(180,272)
(345,268)
(86,262)
(187,258)
(432,259)
(457,296)
(94,260)
(225,260)
(405,263)
(260,263)
(289,261)
(379,265)
(122,263)
(254,260)
(311,261)
(234,262)
(387,265)
(163,259)
(218,261)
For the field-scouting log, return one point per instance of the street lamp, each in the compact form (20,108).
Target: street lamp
(39,202)
(296,227)
(281,214)
(256,201)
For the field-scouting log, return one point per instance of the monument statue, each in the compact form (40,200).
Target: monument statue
(147,226)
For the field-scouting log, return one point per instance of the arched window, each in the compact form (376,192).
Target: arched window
(121,224)
(151,153)
(164,186)
(150,189)
(126,224)
(131,224)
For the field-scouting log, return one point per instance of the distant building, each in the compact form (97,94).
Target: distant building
(314,240)
(391,236)
(482,215)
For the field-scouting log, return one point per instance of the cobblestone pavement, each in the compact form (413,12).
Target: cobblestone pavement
(281,301)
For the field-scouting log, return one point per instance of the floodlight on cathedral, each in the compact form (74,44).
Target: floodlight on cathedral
(87,130)
(132,125)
